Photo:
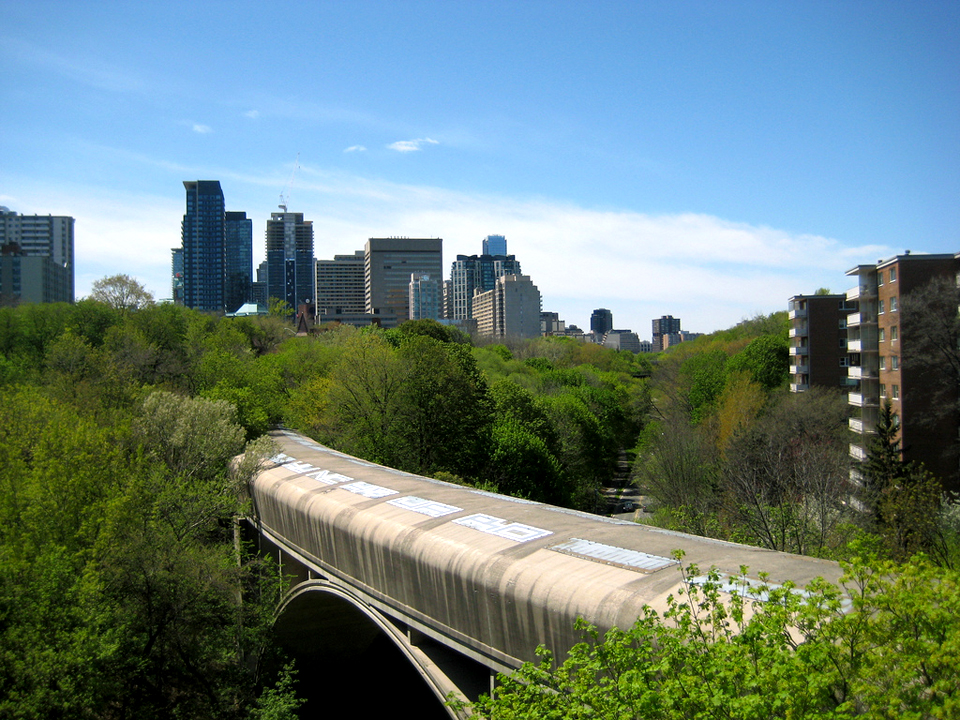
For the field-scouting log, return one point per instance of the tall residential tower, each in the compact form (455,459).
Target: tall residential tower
(203,235)
(238,261)
(291,275)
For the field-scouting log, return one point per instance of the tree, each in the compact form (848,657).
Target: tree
(121,292)
(446,408)
(431,328)
(786,478)
(705,374)
(365,398)
(904,498)
(678,466)
(521,464)
(767,359)
(930,342)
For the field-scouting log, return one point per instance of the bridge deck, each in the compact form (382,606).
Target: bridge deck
(490,575)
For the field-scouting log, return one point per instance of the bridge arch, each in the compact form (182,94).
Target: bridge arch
(319,620)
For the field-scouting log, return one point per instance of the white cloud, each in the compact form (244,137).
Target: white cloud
(252,114)
(202,129)
(708,271)
(355,148)
(411,145)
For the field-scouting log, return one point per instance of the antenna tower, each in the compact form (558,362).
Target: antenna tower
(285,194)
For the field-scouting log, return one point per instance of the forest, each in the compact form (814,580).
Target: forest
(124,591)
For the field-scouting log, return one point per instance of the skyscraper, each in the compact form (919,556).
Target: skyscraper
(665,325)
(601,322)
(37,236)
(238,248)
(470,274)
(203,236)
(426,296)
(388,265)
(291,275)
(494,245)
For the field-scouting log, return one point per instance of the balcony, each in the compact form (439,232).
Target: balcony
(860,318)
(799,387)
(860,400)
(799,330)
(861,427)
(801,368)
(798,313)
(861,292)
(858,372)
(799,351)
(857,452)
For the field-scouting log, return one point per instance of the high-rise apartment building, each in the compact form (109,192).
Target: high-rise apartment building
(38,257)
(388,265)
(512,309)
(340,285)
(425,297)
(876,338)
(818,341)
(601,322)
(665,325)
(238,261)
(470,274)
(494,245)
(203,236)
(291,275)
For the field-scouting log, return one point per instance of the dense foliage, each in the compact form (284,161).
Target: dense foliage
(124,591)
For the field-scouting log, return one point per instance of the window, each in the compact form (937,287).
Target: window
(883,390)
(893,304)
(843,343)
(893,274)
(880,278)
(895,359)
(895,391)
(880,308)
(844,362)
(883,363)
(893,334)
(882,337)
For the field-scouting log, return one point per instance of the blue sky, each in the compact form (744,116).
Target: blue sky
(700,159)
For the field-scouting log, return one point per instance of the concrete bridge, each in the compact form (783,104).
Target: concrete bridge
(466,583)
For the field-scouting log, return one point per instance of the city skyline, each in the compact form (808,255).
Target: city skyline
(696,160)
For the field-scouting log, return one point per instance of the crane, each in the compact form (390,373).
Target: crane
(285,194)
